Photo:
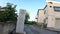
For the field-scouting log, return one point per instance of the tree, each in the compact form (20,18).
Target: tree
(9,13)
(26,17)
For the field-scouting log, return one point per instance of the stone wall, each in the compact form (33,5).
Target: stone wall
(5,28)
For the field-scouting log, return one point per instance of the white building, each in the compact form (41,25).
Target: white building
(50,14)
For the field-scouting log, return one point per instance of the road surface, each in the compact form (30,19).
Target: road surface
(31,29)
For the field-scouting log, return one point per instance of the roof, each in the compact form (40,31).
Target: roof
(53,1)
(2,9)
(45,6)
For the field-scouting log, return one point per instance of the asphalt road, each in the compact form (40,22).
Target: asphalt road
(31,29)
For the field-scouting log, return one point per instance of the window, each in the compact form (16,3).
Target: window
(57,8)
(50,6)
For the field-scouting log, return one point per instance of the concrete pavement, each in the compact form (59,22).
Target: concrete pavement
(31,29)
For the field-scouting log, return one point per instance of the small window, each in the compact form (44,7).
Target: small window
(50,6)
(57,8)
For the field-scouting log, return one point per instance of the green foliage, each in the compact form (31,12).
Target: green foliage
(26,17)
(9,13)
(30,22)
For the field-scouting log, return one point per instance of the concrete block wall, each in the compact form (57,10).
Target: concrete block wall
(6,28)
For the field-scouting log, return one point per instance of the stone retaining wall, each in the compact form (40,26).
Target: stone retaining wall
(5,28)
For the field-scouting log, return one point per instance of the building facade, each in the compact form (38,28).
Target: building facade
(50,14)
(40,16)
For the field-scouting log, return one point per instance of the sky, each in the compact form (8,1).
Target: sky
(31,6)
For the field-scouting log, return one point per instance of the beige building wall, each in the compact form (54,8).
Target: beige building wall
(41,15)
(51,16)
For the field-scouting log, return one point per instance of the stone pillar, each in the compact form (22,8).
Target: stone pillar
(20,22)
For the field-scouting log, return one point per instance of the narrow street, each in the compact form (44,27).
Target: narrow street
(31,29)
